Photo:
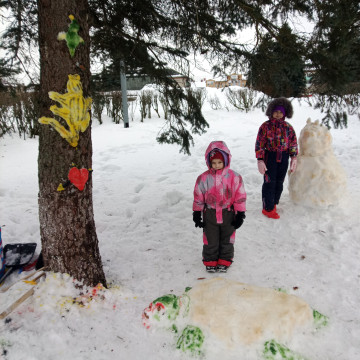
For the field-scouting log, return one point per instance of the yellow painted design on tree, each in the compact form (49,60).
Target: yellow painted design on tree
(74,110)
(60,187)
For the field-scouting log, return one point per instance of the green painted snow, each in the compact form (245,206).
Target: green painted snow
(320,320)
(185,304)
(174,329)
(172,306)
(191,340)
(275,351)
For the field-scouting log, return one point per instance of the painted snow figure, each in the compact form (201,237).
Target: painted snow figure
(320,180)
(165,308)
(237,315)
(275,143)
(218,207)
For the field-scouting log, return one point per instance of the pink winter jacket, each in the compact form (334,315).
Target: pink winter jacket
(219,189)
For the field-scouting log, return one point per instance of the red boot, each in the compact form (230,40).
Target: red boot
(271,214)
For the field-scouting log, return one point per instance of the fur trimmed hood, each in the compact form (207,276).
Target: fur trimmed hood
(284,102)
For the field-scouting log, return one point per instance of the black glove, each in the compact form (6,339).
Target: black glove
(238,219)
(197,219)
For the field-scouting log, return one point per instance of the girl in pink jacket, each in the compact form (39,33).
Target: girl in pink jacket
(220,197)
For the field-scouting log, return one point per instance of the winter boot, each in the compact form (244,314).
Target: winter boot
(271,214)
(222,268)
(211,269)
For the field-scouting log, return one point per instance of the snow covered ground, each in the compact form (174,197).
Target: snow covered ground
(150,247)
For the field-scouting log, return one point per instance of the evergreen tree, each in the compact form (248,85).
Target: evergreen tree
(6,72)
(67,227)
(153,35)
(277,67)
(334,48)
(20,38)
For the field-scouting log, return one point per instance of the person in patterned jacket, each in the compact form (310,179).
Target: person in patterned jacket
(220,197)
(275,143)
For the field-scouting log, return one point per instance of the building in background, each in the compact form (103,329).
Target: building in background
(230,80)
(182,80)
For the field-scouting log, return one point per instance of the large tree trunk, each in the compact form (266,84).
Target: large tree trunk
(67,227)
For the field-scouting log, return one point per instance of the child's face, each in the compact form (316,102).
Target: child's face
(217,164)
(278,114)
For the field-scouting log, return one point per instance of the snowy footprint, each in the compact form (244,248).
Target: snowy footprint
(162,178)
(139,187)
(136,199)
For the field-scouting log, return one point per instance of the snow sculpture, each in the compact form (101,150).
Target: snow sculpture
(234,314)
(319,179)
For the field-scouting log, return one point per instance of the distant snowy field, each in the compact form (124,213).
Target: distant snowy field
(150,247)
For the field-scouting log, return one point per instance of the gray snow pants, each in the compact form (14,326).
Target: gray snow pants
(218,238)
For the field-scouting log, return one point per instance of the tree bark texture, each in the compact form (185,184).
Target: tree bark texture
(67,226)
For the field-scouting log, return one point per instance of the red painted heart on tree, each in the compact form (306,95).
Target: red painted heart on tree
(78,177)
